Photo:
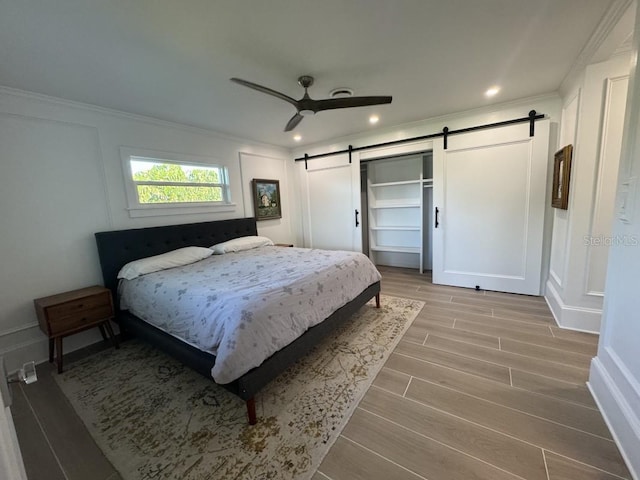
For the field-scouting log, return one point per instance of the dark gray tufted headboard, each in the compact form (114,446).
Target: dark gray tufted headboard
(119,247)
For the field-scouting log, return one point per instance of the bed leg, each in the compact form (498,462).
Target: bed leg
(377,300)
(251,411)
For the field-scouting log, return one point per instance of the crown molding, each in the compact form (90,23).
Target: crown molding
(626,46)
(607,24)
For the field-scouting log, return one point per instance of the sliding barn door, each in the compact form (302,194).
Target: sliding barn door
(490,194)
(332,194)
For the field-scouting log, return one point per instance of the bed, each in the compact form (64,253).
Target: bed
(117,248)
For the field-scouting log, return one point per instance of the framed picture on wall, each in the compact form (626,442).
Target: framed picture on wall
(266,199)
(561,177)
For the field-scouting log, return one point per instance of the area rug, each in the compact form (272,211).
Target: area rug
(155,419)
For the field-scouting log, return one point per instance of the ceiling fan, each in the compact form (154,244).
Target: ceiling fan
(308,106)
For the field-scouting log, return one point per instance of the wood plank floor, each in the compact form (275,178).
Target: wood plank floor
(482,386)
(54,442)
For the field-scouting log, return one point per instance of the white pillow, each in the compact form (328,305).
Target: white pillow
(240,244)
(175,258)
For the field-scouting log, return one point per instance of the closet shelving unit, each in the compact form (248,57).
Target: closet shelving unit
(396,212)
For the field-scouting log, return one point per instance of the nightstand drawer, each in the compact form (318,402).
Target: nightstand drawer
(66,309)
(80,319)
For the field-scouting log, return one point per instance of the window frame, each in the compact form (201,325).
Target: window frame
(137,209)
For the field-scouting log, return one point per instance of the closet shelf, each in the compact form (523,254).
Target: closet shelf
(396,249)
(396,205)
(395,197)
(391,184)
(400,227)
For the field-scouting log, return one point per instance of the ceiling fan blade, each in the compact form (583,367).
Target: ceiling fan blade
(293,123)
(266,90)
(348,102)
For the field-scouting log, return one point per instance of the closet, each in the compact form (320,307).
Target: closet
(469,205)
(399,203)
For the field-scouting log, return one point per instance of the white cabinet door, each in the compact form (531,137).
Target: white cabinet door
(490,192)
(332,191)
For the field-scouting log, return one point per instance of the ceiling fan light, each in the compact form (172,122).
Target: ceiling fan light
(306,113)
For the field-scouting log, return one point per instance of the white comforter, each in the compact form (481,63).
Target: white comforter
(245,306)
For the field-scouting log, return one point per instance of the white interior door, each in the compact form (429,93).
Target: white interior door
(490,192)
(333,197)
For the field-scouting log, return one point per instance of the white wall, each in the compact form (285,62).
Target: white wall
(62,180)
(254,165)
(592,120)
(615,372)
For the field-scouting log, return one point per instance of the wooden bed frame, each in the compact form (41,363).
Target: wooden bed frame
(117,248)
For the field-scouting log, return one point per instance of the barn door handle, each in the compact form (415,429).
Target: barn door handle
(357,213)
(437,217)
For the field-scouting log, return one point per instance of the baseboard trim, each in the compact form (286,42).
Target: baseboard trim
(37,348)
(580,319)
(21,328)
(622,421)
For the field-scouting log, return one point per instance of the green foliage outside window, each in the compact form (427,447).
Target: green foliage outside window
(178,193)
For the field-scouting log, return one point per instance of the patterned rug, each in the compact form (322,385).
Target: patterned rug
(156,419)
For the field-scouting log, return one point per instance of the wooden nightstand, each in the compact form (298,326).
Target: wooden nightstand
(283,244)
(72,312)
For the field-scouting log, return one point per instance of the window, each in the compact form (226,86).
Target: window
(160,182)
(156,186)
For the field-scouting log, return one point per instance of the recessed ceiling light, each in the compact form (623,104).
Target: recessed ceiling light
(297,137)
(492,91)
(373,119)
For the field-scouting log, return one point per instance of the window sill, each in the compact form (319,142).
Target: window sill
(163,210)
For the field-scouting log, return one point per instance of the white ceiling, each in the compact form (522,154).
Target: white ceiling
(173,59)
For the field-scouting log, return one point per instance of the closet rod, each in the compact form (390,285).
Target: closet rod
(531,118)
